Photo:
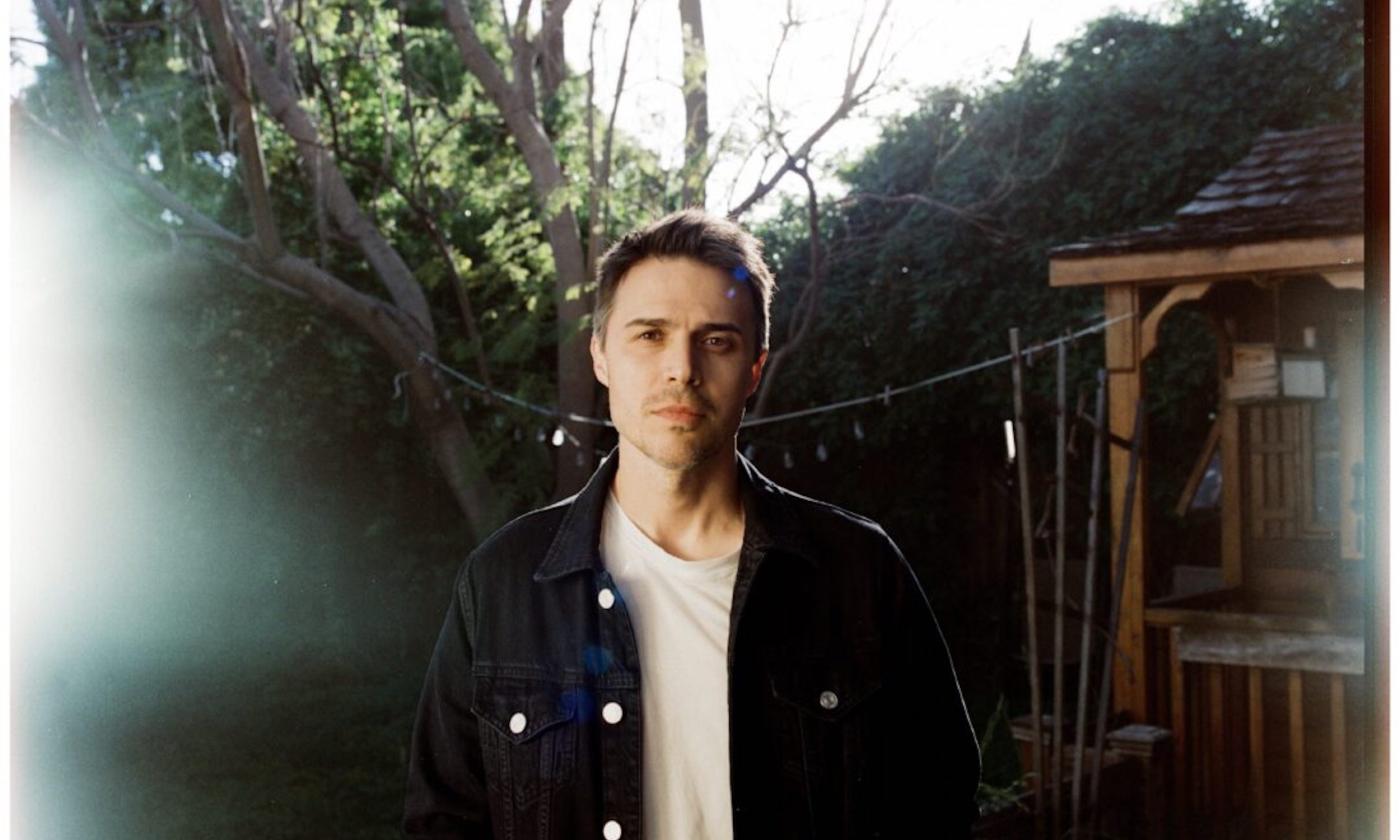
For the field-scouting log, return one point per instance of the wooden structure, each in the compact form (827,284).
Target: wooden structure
(1252,658)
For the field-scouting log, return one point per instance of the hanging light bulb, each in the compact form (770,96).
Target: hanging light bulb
(558,438)
(787,458)
(578,457)
(748,452)
(519,435)
(539,436)
(860,432)
(821,452)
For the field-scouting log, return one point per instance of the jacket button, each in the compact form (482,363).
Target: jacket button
(829,700)
(517,723)
(612,830)
(606,598)
(612,712)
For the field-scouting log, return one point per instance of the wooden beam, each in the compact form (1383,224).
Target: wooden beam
(1153,320)
(1292,256)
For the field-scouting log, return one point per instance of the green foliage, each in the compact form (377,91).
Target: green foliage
(1115,130)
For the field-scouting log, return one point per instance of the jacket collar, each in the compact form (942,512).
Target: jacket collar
(770,523)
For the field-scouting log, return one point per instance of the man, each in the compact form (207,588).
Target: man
(685,649)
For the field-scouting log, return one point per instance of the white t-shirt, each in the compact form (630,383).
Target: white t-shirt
(680,614)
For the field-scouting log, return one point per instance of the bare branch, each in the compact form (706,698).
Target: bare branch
(804,313)
(855,90)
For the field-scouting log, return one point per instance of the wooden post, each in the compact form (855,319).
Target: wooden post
(1087,627)
(1125,388)
(1057,743)
(1028,553)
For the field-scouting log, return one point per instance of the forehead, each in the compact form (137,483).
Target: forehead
(675,287)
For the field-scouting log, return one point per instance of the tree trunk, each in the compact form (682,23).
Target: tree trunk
(695,88)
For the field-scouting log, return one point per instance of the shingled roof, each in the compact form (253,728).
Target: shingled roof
(1291,185)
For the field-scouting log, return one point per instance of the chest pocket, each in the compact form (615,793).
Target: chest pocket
(528,733)
(830,739)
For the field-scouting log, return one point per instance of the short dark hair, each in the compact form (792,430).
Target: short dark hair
(700,236)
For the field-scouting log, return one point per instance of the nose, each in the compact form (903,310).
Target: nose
(681,363)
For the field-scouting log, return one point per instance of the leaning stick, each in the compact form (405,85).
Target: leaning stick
(1028,553)
(1115,607)
(1057,733)
(1090,563)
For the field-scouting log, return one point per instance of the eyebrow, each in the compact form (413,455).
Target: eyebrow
(709,326)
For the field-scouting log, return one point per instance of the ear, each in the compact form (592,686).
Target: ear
(600,362)
(756,373)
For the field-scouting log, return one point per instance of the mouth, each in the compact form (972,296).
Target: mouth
(679,413)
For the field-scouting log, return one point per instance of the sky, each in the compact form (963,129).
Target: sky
(922,44)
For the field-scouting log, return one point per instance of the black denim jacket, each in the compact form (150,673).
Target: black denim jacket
(845,717)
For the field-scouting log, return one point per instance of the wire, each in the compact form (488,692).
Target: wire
(883,396)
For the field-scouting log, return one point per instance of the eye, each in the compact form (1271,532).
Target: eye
(721,342)
(648,335)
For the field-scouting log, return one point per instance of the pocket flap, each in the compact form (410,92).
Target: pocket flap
(527,704)
(826,689)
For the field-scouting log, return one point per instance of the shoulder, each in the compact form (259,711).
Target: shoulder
(830,526)
(517,546)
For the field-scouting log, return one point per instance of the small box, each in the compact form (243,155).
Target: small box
(1254,373)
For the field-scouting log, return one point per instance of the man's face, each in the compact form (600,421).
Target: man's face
(678,360)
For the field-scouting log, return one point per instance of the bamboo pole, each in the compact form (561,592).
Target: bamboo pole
(1115,608)
(1057,734)
(1028,554)
(1090,564)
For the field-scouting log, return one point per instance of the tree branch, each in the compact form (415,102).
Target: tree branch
(852,95)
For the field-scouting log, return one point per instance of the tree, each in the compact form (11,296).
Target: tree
(342,121)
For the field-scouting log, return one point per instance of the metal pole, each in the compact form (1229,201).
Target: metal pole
(1057,735)
(1090,564)
(1115,607)
(1028,554)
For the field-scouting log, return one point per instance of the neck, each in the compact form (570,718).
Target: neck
(694,513)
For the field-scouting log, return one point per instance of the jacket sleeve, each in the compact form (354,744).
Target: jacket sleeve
(937,759)
(446,795)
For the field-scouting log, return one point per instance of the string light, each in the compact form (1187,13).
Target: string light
(884,396)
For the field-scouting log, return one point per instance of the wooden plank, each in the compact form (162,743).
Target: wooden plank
(1257,813)
(1205,617)
(1198,470)
(1340,820)
(1231,506)
(1326,653)
(1215,750)
(1179,757)
(1296,756)
(1325,254)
